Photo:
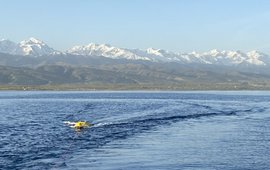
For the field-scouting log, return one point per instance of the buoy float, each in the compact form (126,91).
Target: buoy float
(79,124)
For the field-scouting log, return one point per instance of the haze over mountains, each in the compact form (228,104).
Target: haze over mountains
(33,62)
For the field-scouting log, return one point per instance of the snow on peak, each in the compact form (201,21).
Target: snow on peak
(254,53)
(105,50)
(257,58)
(32,40)
(153,51)
(35,47)
(214,52)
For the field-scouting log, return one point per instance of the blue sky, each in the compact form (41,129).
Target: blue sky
(176,25)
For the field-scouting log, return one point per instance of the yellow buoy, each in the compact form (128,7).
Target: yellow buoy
(81,124)
(78,125)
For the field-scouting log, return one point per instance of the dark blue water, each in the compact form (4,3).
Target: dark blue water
(135,130)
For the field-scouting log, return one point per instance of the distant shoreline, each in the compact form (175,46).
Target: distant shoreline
(132,87)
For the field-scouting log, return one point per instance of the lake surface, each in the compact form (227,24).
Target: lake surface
(135,130)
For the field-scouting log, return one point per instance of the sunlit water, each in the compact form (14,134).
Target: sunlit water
(135,130)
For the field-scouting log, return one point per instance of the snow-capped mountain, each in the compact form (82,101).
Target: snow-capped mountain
(158,55)
(231,58)
(33,47)
(106,51)
(7,46)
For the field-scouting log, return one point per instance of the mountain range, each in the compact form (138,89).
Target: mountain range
(35,47)
(32,63)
